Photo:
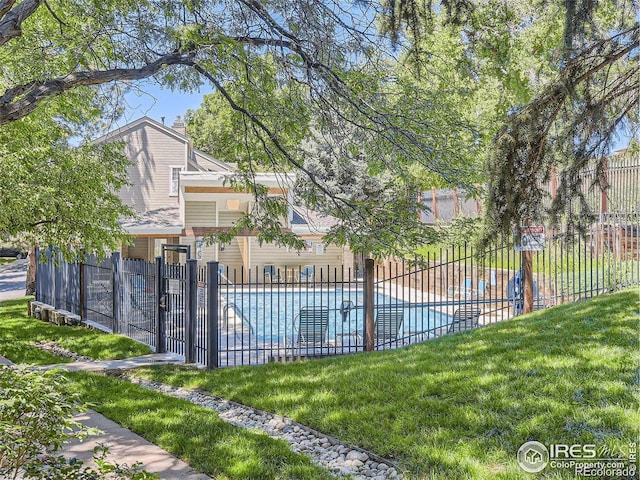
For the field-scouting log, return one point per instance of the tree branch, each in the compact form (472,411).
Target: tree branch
(5,6)
(19,101)
(11,21)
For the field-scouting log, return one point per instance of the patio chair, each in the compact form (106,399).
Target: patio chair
(464,318)
(387,325)
(461,291)
(307,273)
(271,273)
(311,327)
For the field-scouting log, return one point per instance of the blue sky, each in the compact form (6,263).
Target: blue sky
(154,102)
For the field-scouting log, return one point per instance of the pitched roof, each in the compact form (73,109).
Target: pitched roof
(161,220)
(118,132)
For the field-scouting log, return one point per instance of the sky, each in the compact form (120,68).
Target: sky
(154,102)
(150,100)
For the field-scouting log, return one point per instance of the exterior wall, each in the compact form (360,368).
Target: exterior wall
(139,248)
(200,214)
(152,153)
(228,218)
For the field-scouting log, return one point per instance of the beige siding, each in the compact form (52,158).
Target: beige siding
(332,258)
(207,165)
(228,218)
(152,153)
(139,249)
(231,257)
(200,214)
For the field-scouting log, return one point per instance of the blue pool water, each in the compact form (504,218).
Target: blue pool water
(272,314)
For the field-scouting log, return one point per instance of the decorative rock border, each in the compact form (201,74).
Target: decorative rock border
(339,458)
(56,349)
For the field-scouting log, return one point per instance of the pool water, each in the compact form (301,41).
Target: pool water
(272,314)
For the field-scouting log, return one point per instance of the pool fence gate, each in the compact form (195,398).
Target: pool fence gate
(217,316)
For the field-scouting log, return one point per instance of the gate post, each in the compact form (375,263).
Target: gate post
(191,312)
(83,293)
(57,281)
(212,315)
(369,306)
(115,292)
(160,340)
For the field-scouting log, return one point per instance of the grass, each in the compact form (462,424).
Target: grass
(190,432)
(5,260)
(193,433)
(461,406)
(17,331)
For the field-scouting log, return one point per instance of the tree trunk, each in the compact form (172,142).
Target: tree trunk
(31,271)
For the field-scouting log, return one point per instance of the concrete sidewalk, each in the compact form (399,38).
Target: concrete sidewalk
(111,365)
(127,447)
(124,445)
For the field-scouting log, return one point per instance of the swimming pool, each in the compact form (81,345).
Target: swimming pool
(272,313)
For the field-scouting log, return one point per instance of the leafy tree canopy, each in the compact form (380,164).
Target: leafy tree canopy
(561,75)
(55,192)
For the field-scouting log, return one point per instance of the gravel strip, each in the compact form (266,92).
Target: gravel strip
(339,458)
(56,349)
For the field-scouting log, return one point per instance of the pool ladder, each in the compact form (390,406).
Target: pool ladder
(239,314)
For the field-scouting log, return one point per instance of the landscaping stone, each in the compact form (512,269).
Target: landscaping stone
(56,349)
(337,457)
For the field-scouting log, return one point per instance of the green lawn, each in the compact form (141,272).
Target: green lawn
(193,433)
(17,331)
(461,406)
(5,260)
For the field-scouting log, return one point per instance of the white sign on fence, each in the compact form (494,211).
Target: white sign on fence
(532,239)
(173,286)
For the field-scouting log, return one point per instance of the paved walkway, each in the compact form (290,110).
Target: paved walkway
(124,445)
(13,278)
(112,365)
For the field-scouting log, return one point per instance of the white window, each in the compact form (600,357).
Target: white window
(174,180)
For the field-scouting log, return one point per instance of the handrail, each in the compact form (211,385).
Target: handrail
(238,311)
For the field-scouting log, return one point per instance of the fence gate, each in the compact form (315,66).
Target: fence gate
(172,304)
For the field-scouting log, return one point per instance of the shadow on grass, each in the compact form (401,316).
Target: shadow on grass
(193,433)
(461,406)
(18,331)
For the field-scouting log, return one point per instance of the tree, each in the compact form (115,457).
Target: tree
(567,107)
(55,193)
(272,62)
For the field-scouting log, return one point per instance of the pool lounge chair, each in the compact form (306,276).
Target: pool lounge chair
(481,291)
(464,318)
(311,327)
(461,291)
(387,326)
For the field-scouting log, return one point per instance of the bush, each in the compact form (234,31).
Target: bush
(36,419)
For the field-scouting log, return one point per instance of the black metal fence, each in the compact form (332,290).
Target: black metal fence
(217,317)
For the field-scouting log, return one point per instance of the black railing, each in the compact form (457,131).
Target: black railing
(218,316)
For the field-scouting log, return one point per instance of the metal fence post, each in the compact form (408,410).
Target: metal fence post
(83,293)
(57,281)
(191,310)
(115,290)
(369,306)
(212,314)
(160,324)
(38,276)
